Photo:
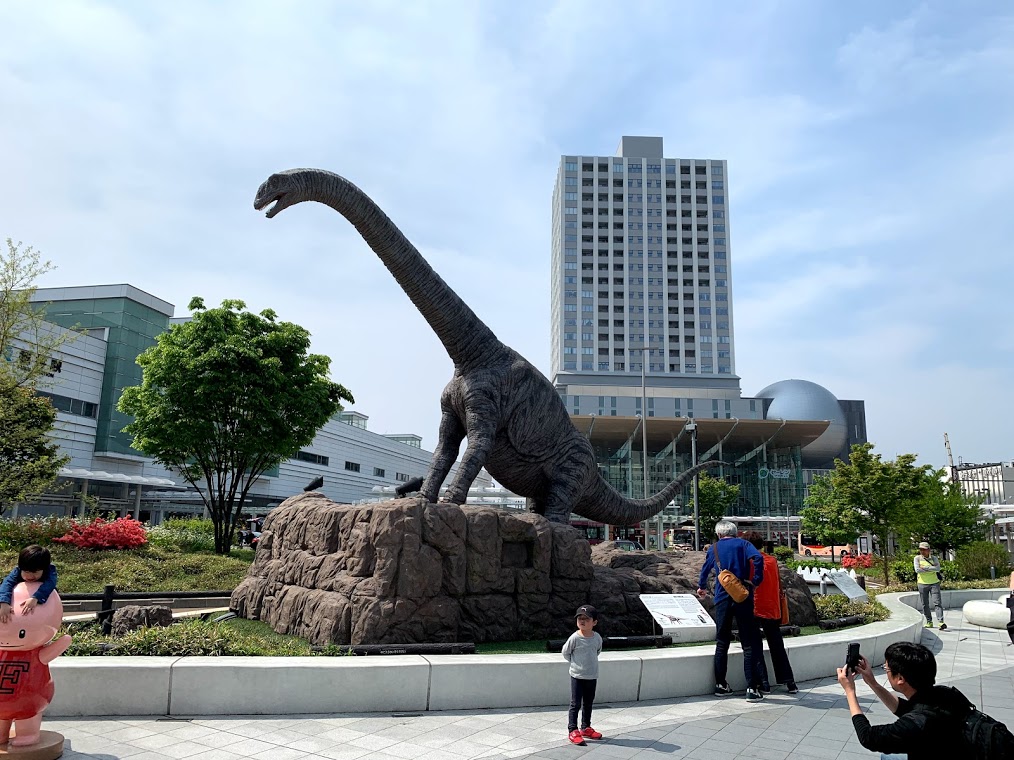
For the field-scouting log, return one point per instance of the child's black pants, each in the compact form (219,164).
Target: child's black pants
(582,696)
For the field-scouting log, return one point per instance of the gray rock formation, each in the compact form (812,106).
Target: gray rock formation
(515,422)
(407,571)
(132,617)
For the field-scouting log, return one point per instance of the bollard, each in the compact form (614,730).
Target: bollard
(106,612)
(992,572)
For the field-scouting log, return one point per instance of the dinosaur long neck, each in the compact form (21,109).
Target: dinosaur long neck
(466,338)
(607,505)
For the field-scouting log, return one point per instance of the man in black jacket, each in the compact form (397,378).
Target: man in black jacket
(930,718)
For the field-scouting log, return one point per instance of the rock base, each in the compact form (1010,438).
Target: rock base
(406,571)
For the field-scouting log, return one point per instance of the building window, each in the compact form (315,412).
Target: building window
(716,170)
(71,405)
(618,167)
(352,466)
(718,200)
(306,456)
(570,166)
(401,477)
(378,472)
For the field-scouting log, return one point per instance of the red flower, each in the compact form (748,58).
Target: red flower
(123,533)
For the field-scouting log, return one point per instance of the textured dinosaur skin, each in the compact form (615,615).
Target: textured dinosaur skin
(515,422)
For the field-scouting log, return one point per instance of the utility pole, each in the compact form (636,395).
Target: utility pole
(692,429)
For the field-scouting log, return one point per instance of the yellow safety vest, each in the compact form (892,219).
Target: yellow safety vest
(925,577)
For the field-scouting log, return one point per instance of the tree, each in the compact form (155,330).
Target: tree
(716,497)
(867,495)
(948,518)
(813,522)
(29,461)
(226,396)
(27,341)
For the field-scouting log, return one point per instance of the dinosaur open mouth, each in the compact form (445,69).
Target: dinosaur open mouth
(272,204)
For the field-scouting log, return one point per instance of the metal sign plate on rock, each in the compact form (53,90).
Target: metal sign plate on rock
(680,616)
(847,585)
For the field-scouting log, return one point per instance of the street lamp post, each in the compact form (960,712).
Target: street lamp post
(692,429)
(644,436)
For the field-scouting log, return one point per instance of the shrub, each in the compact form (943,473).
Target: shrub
(23,531)
(124,533)
(951,571)
(784,553)
(193,524)
(839,606)
(180,539)
(974,560)
(858,562)
(193,638)
(903,571)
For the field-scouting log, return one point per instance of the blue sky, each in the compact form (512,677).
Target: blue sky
(871,175)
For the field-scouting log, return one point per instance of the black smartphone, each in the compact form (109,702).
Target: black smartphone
(852,657)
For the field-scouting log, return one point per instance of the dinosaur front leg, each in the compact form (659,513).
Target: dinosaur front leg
(449,440)
(480,443)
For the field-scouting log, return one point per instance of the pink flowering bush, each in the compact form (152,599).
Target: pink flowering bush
(122,533)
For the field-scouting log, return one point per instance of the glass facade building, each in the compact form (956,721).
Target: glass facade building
(130,319)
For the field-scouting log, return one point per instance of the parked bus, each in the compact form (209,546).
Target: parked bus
(811,547)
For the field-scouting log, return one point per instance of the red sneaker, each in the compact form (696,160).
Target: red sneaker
(576,737)
(590,733)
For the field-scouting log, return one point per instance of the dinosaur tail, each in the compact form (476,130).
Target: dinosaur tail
(607,505)
(465,337)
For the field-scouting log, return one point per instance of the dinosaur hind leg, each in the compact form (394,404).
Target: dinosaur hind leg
(567,486)
(449,440)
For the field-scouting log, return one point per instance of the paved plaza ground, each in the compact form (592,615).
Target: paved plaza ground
(813,725)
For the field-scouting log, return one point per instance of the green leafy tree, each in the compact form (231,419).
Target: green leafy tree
(226,396)
(716,497)
(868,495)
(27,341)
(29,460)
(828,533)
(947,518)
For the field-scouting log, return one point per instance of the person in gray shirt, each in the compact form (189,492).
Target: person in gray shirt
(582,652)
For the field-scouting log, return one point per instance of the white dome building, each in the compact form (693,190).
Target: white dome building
(803,400)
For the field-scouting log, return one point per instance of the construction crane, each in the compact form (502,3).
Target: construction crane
(950,459)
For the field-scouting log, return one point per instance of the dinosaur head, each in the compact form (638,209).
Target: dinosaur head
(282,190)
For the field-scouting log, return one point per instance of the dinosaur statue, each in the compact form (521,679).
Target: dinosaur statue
(516,424)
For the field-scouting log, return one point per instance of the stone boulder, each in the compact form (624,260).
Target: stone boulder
(406,571)
(132,617)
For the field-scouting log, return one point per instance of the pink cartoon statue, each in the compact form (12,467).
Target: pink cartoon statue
(26,649)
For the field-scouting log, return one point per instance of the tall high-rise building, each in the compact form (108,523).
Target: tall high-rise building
(641,273)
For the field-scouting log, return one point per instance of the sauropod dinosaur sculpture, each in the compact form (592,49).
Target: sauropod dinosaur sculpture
(516,424)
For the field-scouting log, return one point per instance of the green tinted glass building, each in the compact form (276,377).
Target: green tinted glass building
(130,319)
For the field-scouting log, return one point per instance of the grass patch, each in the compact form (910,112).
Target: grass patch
(84,571)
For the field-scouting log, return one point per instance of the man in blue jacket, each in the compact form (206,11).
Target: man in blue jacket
(741,559)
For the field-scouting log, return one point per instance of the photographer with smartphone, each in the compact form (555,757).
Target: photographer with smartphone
(930,718)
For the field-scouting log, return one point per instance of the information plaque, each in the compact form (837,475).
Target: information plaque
(680,616)
(848,586)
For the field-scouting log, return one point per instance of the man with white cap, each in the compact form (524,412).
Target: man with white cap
(927,573)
